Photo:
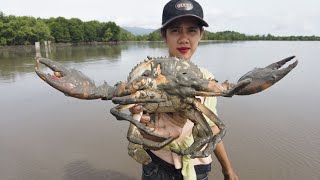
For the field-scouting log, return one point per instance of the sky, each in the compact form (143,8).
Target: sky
(252,17)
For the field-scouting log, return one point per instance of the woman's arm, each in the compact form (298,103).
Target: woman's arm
(223,159)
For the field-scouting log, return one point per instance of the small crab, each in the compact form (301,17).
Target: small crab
(164,84)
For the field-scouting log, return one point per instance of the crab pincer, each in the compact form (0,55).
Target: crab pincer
(263,78)
(72,82)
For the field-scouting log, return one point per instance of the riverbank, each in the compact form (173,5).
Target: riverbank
(21,47)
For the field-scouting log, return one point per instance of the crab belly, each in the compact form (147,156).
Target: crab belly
(171,104)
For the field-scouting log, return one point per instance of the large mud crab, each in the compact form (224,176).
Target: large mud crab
(165,84)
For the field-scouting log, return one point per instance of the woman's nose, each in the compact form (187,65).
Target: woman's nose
(183,38)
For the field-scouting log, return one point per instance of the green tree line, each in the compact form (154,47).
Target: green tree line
(236,36)
(25,30)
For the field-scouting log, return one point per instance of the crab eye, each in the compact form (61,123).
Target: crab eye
(146,73)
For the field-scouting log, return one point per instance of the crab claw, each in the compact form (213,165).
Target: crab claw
(72,82)
(54,66)
(262,78)
(57,79)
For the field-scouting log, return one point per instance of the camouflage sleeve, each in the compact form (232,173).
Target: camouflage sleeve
(209,102)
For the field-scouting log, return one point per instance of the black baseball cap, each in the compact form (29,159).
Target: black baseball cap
(175,9)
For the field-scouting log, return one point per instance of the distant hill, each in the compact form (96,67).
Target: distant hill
(138,31)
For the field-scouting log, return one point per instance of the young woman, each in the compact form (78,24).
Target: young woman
(182,30)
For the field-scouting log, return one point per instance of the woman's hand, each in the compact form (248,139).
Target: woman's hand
(230,174)
(145,118)
(164,124)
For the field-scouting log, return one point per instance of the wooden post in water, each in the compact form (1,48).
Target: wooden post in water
(46,48)
(37,46)
(49,46)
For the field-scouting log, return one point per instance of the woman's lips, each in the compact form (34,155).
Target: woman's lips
(183,50)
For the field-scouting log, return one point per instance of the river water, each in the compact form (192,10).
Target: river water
(46,135)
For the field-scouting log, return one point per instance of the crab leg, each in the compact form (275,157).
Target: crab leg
(75,84)
(252,82)
(198,119)
(216,89)
(206,149)
(216,138)
(124,100)
(116,111)
(136,150)
(203,136)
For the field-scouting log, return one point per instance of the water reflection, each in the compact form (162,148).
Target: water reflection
(19,61)
(87,53)
(82,170)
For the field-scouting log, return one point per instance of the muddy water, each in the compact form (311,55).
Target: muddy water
(46,135)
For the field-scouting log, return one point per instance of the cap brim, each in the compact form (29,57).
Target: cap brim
(203,22)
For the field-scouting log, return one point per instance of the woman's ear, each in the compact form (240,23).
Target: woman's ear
(201,32)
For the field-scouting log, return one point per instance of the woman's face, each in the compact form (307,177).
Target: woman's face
(182,37)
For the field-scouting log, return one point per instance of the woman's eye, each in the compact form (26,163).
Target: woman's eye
(174,30)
